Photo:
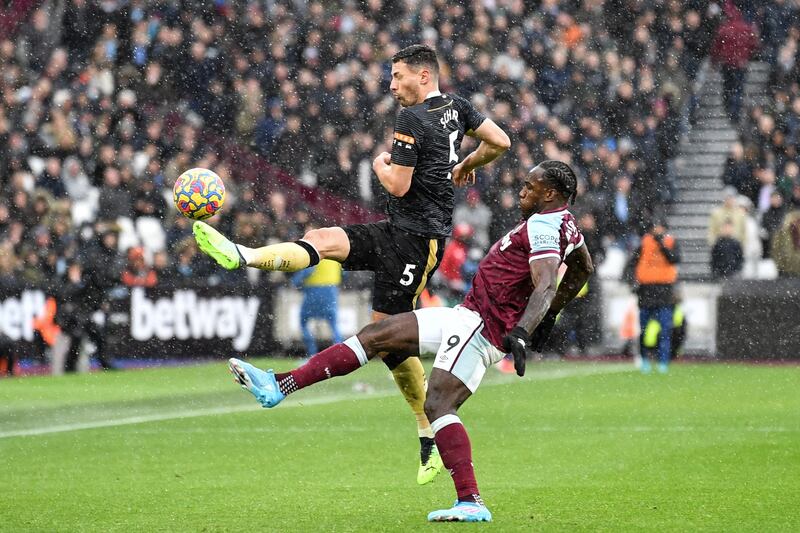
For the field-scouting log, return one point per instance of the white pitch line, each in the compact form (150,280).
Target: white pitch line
(211,411)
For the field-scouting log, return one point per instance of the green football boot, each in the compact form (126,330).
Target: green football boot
(215,245)
(430,462)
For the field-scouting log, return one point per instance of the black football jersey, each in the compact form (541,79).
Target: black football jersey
(428,137)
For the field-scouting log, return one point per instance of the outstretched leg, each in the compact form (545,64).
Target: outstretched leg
(317,244)
(397,334)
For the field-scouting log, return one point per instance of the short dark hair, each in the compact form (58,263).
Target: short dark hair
(561,177)
(418,55)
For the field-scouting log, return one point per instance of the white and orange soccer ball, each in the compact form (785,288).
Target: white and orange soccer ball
(198,193)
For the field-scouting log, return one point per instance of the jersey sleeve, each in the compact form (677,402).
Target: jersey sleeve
(408,134)
(544,239)
(472,117)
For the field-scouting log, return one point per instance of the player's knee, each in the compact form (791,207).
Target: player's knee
(330,243)
(435,407)
(369,337)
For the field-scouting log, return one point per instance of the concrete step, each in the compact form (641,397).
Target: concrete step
(688,221)
(699,187)
(701,160)
(683,234)
(712,115)
(700,171)
(695,256)
(693,195)
(707,147)
(755,76)
(760,100)
(711,123)
(714,135)
(694,272)
(692,244)
(695,267)
(687,208)
(710,99)
(757,66)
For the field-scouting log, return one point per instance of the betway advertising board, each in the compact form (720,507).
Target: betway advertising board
(193,322)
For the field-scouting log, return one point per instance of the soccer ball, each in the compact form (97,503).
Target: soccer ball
(198,193)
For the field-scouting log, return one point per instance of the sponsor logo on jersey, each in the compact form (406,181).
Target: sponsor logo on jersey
(545,241)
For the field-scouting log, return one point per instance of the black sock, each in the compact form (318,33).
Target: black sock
(425,448)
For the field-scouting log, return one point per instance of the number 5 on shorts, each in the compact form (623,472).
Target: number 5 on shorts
(408,275)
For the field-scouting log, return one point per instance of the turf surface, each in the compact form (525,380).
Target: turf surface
(570,447)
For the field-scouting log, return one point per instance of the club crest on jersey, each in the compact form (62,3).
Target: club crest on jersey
(447,116)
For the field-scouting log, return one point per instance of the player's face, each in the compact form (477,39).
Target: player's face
(405,86)
(534,193)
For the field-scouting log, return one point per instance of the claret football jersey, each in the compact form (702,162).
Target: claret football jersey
(502,286)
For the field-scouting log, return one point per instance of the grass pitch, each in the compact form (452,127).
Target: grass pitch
(571,447)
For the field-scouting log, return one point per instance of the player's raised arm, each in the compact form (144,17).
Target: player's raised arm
(494,143)
(396,179)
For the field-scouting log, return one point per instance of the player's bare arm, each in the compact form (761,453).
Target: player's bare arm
(544,274)
(494,143)
(579,269)
(396,179)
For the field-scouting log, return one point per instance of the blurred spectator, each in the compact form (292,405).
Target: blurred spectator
(624,213)
(727,257)
(656,272)
(163,268)
(733,46)
(74,317)
(320,286)
(786,245)
(739,171)
(751,246)
(137,273)
(728,212)
(477,216)
(453,259)
(771,221)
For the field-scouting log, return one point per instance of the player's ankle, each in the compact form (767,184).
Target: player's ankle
(471,498)
(246,254)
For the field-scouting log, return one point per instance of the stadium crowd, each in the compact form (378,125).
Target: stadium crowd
(103,104)
(760,216)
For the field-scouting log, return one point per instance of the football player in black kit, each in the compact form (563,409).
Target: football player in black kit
(404,250)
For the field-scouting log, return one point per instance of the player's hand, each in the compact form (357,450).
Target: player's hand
(462,177)
(514,343)
(384,159)
(542,332)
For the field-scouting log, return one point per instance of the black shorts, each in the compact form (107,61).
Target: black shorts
(402,262)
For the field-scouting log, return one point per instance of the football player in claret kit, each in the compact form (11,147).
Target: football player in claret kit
(513,302)
(405,250)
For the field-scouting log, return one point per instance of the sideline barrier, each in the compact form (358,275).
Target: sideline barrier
(759,320)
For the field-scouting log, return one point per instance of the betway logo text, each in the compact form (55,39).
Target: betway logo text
(17,314)
(184,316)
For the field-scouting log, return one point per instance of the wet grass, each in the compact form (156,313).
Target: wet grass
(573,447)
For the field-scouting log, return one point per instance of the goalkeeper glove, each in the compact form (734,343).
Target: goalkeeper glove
(514,343)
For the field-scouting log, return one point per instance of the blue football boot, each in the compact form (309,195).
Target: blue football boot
(462,512)
(261,384)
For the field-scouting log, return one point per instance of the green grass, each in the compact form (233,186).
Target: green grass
(573,447)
